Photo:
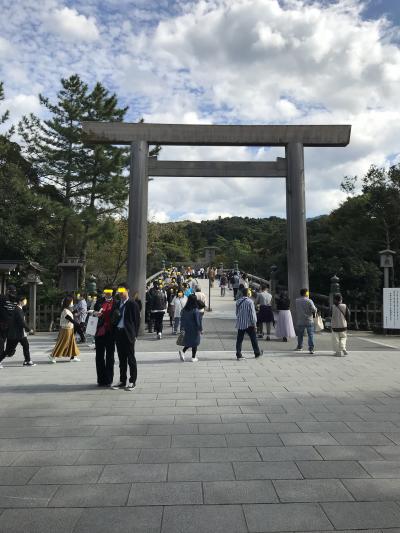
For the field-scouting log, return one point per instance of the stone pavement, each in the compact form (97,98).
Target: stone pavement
(288,442)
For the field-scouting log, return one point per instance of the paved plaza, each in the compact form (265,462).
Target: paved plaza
(288,442)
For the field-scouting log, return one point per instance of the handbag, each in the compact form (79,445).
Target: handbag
(179,340)
(91,326)
(318,323)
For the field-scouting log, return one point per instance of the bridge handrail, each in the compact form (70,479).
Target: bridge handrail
(154,276)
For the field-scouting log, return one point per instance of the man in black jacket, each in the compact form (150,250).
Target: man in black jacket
(17,334)
(8,303)
(126,331)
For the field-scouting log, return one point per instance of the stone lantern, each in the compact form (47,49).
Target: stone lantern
(387,260)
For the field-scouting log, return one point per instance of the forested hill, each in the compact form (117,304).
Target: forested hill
(346,242)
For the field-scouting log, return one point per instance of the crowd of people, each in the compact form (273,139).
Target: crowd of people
(177,293)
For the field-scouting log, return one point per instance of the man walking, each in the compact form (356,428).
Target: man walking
(305,312)
(158,305)
(16,334)
(8,303)
(246,320)
(235,284)
(125,336)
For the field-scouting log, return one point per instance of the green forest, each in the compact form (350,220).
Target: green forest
(60,197)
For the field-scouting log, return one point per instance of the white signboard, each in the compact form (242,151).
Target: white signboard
(391,308)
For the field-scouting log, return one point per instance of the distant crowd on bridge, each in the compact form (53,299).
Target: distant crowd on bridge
(112,319)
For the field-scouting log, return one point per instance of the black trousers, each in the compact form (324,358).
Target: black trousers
(12,345)
(105,349)
(157,319)
(80,329)
(126,356)
(235,290)
(251,332)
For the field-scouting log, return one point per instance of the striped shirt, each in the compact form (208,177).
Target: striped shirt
(245,313)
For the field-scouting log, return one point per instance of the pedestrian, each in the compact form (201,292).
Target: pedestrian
(191,324)
(245,281)
(158,305)
(305,313)
(17,334)
(284,325)
(235,284)
(223,282)
(246,320)
(265,315)
(104,339)
(211,276)
(8,303)
(171,294)
(201,302)
(66,344)
(80,314)
(126,331)
(340,318)
(179,303)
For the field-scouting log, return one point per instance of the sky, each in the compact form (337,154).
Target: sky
(222,62)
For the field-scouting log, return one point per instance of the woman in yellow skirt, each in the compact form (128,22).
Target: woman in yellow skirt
(66,344)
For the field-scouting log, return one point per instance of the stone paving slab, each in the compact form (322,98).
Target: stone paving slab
(286,443)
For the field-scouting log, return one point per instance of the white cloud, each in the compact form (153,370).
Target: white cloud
(221,61)
(71,25)
(5,48)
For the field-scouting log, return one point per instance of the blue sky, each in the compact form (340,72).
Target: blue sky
(222,61)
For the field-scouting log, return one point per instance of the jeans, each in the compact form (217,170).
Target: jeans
(177,323)
(339,339)
(310,333)
(251,332)
(222,291)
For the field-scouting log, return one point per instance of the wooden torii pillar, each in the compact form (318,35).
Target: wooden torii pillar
(294,138)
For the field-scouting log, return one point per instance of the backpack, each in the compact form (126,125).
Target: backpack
(158,300)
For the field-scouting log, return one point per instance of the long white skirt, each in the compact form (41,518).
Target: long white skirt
(284,325)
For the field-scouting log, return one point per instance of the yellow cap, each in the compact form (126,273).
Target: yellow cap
(108,291)
(121,289)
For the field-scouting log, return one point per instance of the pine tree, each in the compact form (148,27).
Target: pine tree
(54,148)
(26,218)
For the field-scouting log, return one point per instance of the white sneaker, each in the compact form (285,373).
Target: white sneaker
(194,360)
(1,366)
(52,359)
(75,359)
(181,356)
(159,335)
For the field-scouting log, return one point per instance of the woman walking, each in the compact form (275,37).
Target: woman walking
(66,344)
(340,317)
(191,324)
(179,303)
(265,314)
(284,325)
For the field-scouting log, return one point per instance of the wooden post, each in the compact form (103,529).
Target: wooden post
(296,223)
(137,223)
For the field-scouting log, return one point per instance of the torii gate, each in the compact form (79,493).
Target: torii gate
(294,138)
